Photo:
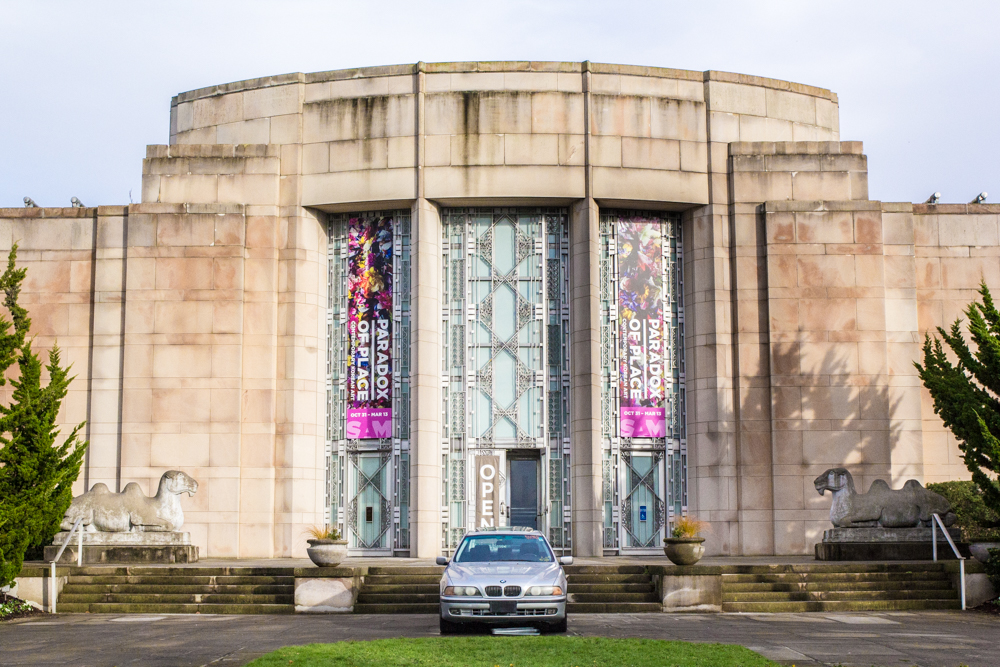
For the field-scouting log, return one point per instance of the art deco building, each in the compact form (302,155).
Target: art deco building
(590,298)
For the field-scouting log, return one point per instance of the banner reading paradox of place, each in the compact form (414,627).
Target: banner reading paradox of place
(642,410)
(369,328)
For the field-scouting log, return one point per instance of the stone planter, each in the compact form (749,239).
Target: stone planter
(684,550)
(981,550)
(327,553)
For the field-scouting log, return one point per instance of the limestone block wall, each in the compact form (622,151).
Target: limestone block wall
(73,293)
(510,130)
(956,247)
(842,341)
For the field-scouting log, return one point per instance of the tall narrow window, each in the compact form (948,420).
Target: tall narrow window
(368,368)
(642,389)
(505,367)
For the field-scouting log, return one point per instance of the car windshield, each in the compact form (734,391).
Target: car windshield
(521,548)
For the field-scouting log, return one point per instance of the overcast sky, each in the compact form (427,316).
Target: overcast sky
(84,86)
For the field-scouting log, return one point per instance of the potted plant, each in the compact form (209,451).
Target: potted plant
(684,546)
(326,549)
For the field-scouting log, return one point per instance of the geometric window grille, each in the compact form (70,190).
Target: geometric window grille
(505,362)
(645,479)
(367,481)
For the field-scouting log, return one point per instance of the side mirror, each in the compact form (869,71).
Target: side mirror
(441,560)
(566,560)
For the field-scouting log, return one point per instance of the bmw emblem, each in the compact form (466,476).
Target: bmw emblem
(503,581)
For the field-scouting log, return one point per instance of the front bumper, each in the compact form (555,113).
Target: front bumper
(548,610)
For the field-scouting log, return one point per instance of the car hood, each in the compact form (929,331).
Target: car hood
(485,574)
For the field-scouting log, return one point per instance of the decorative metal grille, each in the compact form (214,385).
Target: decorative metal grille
(505,368)
(651,472)
(351,487)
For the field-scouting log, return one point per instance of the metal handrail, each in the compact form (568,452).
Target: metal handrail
(52,564)
(961,559)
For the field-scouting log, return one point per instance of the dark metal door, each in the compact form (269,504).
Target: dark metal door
(524,493)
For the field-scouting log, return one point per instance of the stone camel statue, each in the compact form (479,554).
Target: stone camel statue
(882,506)
(132,510)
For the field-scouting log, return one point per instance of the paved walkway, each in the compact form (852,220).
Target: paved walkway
(944,639)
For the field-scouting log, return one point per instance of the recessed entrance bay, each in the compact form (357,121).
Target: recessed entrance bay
(495,394)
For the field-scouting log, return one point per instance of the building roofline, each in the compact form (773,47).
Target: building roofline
(500,66)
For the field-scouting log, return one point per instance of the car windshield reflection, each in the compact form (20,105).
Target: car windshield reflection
(494,548)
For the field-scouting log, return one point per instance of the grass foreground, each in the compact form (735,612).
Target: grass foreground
(514,652)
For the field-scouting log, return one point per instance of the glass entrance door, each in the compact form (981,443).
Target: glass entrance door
(523,485)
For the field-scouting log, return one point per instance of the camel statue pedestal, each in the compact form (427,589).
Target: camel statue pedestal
(878,543)
(126,548)
(884,523)
(129,527)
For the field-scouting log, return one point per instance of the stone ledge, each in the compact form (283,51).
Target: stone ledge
(945,209)
(821,206)
(500,66)
(796,148)
(47,212)
(897,207)
(212,150)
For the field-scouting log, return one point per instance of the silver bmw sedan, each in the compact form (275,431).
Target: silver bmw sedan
(504,577)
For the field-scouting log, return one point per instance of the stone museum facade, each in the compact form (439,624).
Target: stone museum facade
(589,298)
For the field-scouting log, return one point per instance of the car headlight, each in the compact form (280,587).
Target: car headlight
(467,591)
(545,590)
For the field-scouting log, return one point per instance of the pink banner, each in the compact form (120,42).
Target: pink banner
(369,328)
(643,422)
(641,390)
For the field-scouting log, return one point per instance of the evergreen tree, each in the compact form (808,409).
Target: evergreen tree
(36,473)
(967,393)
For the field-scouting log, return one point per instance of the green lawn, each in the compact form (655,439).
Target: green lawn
(514,652)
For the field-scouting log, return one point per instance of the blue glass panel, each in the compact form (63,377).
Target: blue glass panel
(505,379)
(504,241)
(504,312)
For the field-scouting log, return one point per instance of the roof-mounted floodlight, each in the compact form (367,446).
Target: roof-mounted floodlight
(980,198)
(30,203)
(75,201)
(934,198)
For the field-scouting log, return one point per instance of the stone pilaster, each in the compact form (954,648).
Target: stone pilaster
(425,382)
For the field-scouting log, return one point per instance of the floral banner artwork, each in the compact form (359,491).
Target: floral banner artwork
(642,409)
(369,328)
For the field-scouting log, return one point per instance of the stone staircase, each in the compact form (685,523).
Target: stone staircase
(179,590)
(400,590)
(611,589)
(838,587)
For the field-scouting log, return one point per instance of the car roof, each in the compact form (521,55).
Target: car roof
(505,530)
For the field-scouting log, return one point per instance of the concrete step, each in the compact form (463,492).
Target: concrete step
(575,587)
(154,580)
(605,569)
(405,571)
(397,609)
(835,576)
(849,567)
(612,597)
(840,595)
(177,598)
(364,597)
(394,579)
(838,605)
(426,589)
(149,608)
(139,589)
(809,585)
(608,578)
(613,607)
(138,571)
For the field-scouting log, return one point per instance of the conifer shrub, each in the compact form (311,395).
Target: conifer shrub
(36,472)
